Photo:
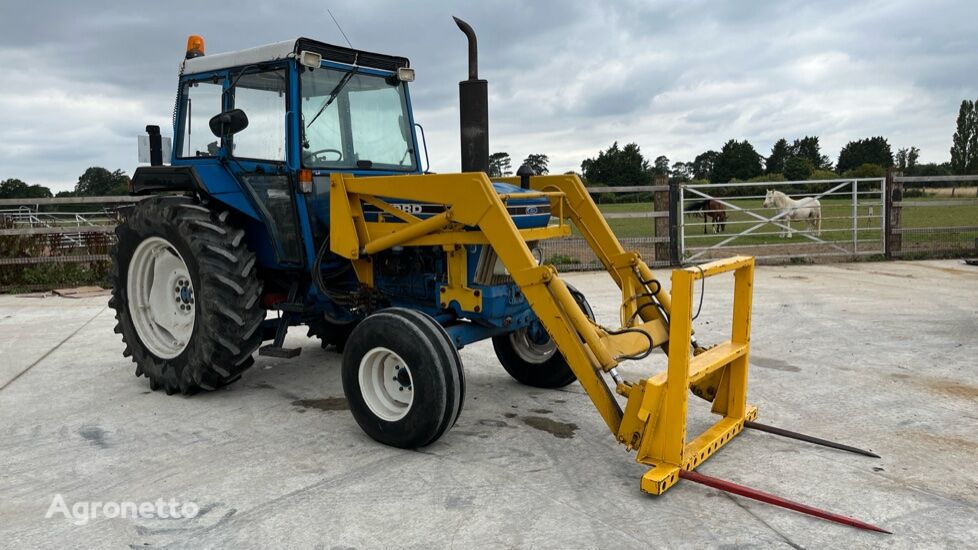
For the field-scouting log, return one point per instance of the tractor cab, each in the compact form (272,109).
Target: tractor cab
(302,103)
(262,129)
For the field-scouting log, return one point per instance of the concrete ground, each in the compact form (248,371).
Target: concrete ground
(879,355)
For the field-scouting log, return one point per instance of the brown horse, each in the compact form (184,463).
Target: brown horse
(713,212)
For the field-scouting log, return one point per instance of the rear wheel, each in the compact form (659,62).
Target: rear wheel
(531,357)
(185,293)
(402,378)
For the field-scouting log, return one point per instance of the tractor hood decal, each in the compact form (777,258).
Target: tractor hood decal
(423,210)
(529,212)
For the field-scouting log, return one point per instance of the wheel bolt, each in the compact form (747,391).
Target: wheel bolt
(400,388)
(176,289)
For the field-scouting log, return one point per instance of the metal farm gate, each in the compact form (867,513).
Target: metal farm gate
(721,219)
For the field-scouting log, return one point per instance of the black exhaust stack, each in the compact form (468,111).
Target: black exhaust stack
(155,145)
(473,98)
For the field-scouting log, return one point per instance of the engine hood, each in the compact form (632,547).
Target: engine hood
(526,213)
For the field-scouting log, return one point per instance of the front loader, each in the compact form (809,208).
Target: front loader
(295,187)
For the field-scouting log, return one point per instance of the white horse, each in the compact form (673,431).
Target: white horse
(808,209)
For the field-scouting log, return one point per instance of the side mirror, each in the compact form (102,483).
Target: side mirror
(226,124)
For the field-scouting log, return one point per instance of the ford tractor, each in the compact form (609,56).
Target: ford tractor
(297,192)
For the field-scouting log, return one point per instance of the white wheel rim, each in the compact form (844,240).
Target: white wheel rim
(530,351)
(386,384)
(162,302)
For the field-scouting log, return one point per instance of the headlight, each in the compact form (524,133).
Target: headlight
(405,74)
(498,268)
(537,253)
(310,59)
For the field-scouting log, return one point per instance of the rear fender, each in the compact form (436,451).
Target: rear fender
(210,180)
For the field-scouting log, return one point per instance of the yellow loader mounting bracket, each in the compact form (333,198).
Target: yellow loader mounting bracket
(653,422)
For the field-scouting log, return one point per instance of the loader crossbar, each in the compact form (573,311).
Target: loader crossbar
(653,422)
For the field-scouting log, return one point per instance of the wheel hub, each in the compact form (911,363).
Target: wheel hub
(184,292)
(161,297)
(532,344)
(402,377)
(386,384)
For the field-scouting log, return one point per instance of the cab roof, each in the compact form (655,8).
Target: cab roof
(291,48)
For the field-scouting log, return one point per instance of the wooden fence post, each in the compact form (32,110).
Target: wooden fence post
(894,194)
(660,203)
(675,217)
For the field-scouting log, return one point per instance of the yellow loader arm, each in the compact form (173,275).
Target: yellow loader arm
(654,419)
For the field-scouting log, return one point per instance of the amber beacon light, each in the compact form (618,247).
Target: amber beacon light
(195,46)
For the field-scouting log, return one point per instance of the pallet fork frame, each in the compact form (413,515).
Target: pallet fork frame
(660,402)
(654,419)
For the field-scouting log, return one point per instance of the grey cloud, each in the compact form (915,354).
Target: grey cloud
(567,78)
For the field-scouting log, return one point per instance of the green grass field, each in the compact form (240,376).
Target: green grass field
(836,222)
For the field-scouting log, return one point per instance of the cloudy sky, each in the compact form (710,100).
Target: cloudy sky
(82,79)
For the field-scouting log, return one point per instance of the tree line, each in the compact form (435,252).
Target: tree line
(94,182)
(736,161)
(798,160)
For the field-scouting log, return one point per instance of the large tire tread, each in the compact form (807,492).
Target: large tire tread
(435,368)
(227,323)
(439,336)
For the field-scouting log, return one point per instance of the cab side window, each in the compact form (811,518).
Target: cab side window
(261,95)
(201,101)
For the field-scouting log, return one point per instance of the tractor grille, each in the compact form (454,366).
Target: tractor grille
(484,274)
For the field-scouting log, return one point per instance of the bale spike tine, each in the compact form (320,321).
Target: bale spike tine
(810,439)
(768,498)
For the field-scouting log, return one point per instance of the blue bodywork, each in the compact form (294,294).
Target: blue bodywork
(287,237)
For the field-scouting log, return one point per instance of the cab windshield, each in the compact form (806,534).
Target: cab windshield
(352,120)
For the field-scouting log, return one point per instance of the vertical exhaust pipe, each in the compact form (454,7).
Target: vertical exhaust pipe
(473,99)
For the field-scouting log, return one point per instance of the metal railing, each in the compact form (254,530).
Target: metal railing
(37,232)
(848,219)
(930,218)
(626,212)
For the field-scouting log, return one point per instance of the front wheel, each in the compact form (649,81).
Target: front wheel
(403,378)
(531,357)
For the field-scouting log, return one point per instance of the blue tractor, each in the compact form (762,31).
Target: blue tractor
(295,186)
(237,224)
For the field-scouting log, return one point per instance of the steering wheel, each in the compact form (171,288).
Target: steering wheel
(314,155)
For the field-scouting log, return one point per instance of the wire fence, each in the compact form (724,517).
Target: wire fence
(935,216)
(637,214)
(46,243)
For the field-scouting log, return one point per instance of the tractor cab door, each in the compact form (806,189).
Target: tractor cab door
(258,155)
